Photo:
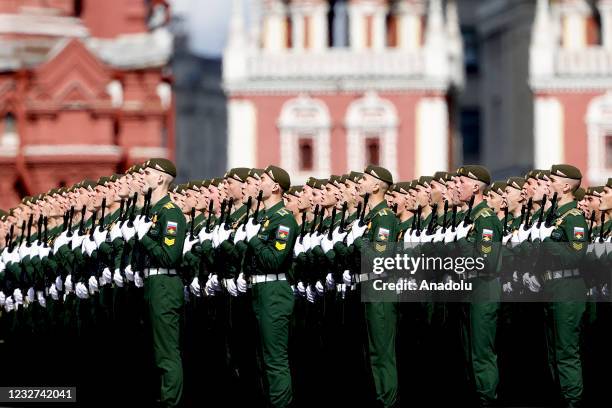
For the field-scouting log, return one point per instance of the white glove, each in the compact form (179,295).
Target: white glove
(18,296)
(516,239)
(99,236)
(138,281)
(507,287)
(58,283)
(347,278)
(327,244)
(252,230)
(338,236)
(316,239)
(68,283)
(298,248)
(129,273)
(9,305)
(81,291)
(44,251)
(40,297)
(463,230)
(215,236)
(310,294)
(439,235)
(301,288)
(507,238)
(30,295)
(534,231)
(523,234)
(77,240)
(358,230)
(204,236)
(188,244)
(241,234)
(224,234)
(241,283)
(424,238)
(415,236)
(320,289)
(546,231)
(230,285)
(107,275)
(143,228)
(306,242)
(115,232)
(194,287)
(24,250)
(599,249)
(127,231)
(2,298)
(531,282)
(53,292)
(34,250)
(117,278)
(88,246)
(214,283)
(209,289)
(60,241)
(329,281)
(93,285)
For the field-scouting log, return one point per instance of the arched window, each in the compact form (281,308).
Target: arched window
(371,124)
(304,126)
(599,130)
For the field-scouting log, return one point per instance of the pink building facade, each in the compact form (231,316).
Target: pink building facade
(297,99)
(571,79)
(84,91)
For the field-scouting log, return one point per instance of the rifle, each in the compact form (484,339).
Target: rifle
(592,220)
(433,219)
(414,221)
(331,226)
(210,212)
(101,222)
(505,226)
(418,215)
(192,223)
(11,233)
(603,221)
(551,212)
(468,213)
(358,210)
(227,217)
(523,210)
(65,224)
(365,206)
(256,213)
(454,218)
(343,214)
(46,236)
(82,222)
(223,205)
(394,209)
(23,228)
(303,227)
(541,216)
(29,236)
(70,218)
(320,226)
(314,220)
(444,216)
(248,208)
(147,205)
(39,229)
(132,216)
(93,226)
(528,214)
(121,209)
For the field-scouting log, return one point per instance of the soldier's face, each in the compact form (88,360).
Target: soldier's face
(495,201)
(541,189)
(593,203)
(467,188)
(512,198)
(303,200)
(438,190)
(190,199)
(233,189)
(330,196)
(123,187)
(422,196)
(291,202)
(267,186)
(366,185)
(315,197)
(530,187)
(606,199)
(558,185)
(250,189)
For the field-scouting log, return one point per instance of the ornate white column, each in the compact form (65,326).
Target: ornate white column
(605,10)
(409,24)
(431,144)
(574,15)
(548,132)
(241,133)
(541,61)
(274,26)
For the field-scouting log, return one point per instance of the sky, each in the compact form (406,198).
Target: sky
(206,22)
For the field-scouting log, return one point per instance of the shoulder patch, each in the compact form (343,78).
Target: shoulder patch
(383,234)
(280,245)
(282,212)
(171,228)
(282,233)
(169,206)
(383,212)
(169,241)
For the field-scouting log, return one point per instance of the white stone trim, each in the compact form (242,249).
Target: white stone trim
(599,125)
(360,121)
(548,132)
(241,133)
(148,152)
(71,150)
(43,25)
(299,116)
(432,139)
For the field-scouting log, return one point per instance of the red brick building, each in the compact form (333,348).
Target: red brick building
(84,90)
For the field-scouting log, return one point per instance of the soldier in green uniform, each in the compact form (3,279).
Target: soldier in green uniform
(162,238)
(378,230)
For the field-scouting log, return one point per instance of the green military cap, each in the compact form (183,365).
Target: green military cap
(355,176)
(424,181)
(343,178)
(255,173)
(311,182)
(238,173)
(26,200)
(594,190)
(194,185)
(442,177)
(216,181)
(498,187)
(103,181)
(475,172)
(566,171)
(532,174)
(579,193)
(403,187)
(390,189)
(206,183)
(543,174)
(88,184)
(609,183)
(486,190)
(335,180)
(279,175)
(114,177)
(294,190)
(319,184)
(380,173)
(516,182)
(161,164)
(135,168)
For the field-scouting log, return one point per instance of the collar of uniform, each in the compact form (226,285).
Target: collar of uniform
(158,205)
(238,213)
(375,210)
(566,207)
(404,225)
(275,208)
(478,207)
